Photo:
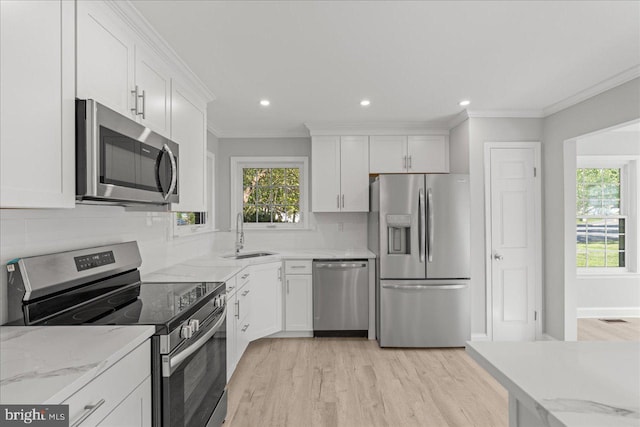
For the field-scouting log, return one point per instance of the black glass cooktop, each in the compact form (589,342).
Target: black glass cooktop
(163,303)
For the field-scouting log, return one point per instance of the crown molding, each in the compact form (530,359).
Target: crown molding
(213,130)
(377,128)
(458,119)
(522,114)
(295,133)
(603,86)
(139,24)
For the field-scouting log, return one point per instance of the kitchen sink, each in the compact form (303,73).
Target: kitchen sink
(249,255)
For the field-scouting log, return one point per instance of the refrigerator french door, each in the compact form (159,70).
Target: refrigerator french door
(423,247)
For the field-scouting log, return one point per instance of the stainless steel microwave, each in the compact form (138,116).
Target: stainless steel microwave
(121,161)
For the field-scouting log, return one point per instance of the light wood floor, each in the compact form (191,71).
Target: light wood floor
(337,382)
(597,330)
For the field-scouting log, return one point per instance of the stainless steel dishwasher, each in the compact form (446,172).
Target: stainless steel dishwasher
(340,298)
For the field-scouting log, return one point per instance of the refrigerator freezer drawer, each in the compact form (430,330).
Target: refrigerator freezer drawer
(424,313)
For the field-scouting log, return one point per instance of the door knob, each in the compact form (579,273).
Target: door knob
(497,257)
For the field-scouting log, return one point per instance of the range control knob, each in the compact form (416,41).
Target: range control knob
(194,324)
(186,332)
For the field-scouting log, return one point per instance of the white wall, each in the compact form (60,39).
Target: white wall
(459,148)
(37,232)
(482,130)
(618,105)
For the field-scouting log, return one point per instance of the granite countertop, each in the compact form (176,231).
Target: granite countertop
(568,383)
(46,365)
(214,268)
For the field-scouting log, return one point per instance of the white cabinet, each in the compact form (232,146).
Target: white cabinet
(189,129)
(298,296)
(119,70)
(105,57)
(37,104)
(266,286)
(412,154)
(153,84)
(238,323)
(122,392)
(340,174)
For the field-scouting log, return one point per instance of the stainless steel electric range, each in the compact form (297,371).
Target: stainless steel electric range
(102,286)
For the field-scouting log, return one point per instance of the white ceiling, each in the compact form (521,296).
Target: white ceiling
(415,61)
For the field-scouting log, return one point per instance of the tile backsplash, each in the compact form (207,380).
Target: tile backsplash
(30,232)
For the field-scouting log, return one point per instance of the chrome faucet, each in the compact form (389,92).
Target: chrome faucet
(239,232)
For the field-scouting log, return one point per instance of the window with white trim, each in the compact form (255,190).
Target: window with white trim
(607,214)
(270,192)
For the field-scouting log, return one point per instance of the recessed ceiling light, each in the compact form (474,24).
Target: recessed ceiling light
(265,102)
(464,103)
(365,102)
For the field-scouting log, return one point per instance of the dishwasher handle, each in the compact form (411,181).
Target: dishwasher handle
(336,265)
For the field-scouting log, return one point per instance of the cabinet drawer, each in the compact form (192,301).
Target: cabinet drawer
(244,303)
(242,278)
(297,267)
(231,286)
(111,387)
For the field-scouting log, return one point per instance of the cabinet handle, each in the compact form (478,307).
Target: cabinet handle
(229,288)
(298,266)
(410,162)
(88,410)
(245,293)
(287,286)
(244,276)
(404,164)
(280,274)
(134,92)
(144,108)
(338,201)
(343,200)
(237,309)
(244,329)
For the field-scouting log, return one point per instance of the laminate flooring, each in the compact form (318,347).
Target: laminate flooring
(340,382)
(353,383)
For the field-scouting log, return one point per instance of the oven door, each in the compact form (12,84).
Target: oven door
(194,377)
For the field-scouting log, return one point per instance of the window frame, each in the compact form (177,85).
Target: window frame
(238,163)
(624,163)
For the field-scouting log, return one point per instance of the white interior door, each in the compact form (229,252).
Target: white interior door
(513,245)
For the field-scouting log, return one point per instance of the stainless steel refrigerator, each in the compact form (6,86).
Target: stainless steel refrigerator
(419,230)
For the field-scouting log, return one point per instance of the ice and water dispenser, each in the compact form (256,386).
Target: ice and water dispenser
(399,231)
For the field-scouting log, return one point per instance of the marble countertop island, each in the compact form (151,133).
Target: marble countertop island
(554,383)
(214,267)
(46,365)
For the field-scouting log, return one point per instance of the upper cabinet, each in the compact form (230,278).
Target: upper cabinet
(340,174)
(37,104)
(409,154)
(119,70)
(189,130)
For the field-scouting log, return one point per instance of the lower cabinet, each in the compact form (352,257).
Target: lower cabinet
(298,298)
(119,396)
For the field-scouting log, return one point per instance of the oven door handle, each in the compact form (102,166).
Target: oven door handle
(172,362)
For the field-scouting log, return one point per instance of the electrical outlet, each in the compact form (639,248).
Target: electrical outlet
(341,226)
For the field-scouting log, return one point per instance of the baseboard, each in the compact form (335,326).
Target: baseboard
(604,312)
(292,334)
(480,337)
(547,337)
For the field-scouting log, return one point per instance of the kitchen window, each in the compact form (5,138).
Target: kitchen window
(188,223)
(270,192)
(604,228)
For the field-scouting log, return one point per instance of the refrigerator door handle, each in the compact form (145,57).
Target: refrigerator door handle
(424,287)
(430,225)
(421,225)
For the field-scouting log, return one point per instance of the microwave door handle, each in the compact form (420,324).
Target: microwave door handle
(174,171)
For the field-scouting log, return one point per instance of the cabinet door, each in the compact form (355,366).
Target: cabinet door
(188,128)
(243,332)
(232,356)
(154,90)
(354,173)
(298,303)
(266,285)
(134,411)
(387,154)
(37,110)
(105,57)
(325,174)
(428,154)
